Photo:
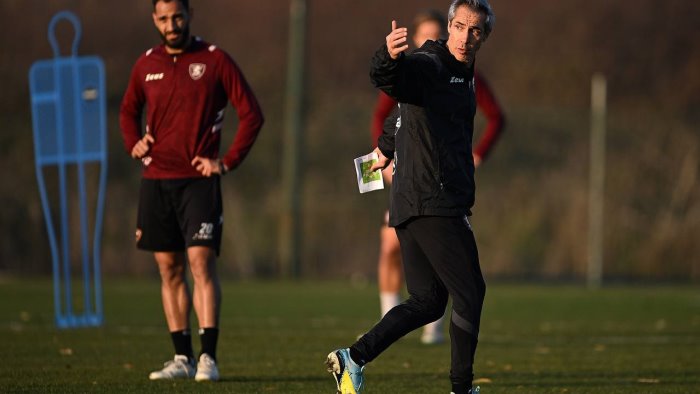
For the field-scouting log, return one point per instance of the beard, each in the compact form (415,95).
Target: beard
(180,42)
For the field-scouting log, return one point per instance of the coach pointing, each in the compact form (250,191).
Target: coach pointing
(432,192)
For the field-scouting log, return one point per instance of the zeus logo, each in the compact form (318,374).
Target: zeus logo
(154,77)
(456,80)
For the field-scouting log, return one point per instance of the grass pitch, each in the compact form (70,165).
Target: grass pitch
(275,336)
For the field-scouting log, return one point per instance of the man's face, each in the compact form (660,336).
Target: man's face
(428,30)
(172,21)
(466,34)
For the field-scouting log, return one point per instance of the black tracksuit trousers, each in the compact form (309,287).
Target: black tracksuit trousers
(439,259)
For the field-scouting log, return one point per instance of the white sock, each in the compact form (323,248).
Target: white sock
(388,300)
(434,327)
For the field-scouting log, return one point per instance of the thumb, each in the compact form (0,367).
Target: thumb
(393,25)
(149,138)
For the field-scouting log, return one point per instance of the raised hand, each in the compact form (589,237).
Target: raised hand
(396,40)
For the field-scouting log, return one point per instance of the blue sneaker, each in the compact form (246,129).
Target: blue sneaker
(348,375)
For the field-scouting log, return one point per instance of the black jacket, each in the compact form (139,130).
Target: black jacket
(432,141)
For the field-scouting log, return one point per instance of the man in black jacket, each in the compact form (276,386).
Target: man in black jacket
(432,193)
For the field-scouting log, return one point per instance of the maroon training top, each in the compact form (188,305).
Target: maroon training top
(185,96)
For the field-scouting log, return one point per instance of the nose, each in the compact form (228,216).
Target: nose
(465,38)
(470,37)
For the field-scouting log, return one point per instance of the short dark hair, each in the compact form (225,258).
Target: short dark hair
(430,16)
(185,3)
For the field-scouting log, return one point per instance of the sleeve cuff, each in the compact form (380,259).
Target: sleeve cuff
(388,152)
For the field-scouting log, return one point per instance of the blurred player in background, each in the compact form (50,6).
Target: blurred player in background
(427,25)
(185,85)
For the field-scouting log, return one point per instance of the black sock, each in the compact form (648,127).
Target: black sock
(182,340)
(356,357)
(209,337)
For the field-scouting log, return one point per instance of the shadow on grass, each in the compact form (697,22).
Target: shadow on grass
(643,380)
(274,379)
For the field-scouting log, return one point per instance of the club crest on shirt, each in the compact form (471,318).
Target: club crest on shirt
(197,70)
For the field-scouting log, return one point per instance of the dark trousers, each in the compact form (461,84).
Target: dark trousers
(439,259)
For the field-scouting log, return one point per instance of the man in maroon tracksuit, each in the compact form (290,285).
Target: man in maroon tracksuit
(185,85)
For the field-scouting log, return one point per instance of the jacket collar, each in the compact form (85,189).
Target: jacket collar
(440,49)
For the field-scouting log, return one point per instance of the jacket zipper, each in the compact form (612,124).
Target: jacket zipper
(438,176)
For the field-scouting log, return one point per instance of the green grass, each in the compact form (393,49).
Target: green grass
(275,336)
